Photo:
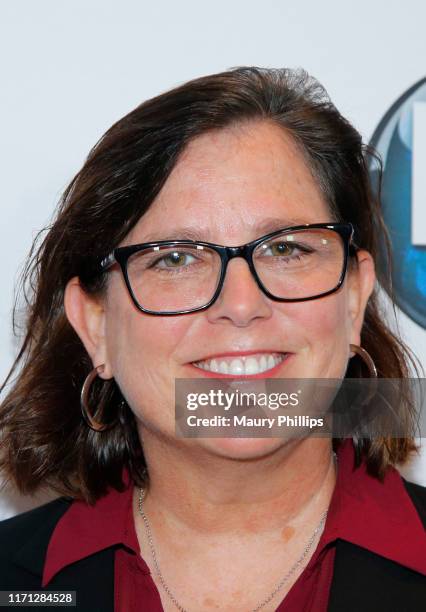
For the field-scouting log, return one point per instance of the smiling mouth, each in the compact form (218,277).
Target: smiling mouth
(243,365)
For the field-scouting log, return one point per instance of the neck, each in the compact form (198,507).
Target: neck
(200,493)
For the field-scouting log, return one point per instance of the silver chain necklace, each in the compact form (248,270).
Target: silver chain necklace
(294,567)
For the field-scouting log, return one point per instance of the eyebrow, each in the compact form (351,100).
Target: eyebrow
(266,226)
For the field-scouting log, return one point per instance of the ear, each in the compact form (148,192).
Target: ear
(86,314)
(361,281)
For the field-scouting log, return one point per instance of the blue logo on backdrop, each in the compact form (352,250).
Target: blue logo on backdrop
(400,139)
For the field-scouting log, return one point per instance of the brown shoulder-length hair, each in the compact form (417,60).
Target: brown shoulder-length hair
(44,441)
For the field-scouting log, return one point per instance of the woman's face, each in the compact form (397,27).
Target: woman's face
(229,187)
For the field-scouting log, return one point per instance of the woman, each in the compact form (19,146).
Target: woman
(151,521)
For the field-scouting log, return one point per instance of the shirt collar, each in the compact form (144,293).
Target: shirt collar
(377,516)
(87,529)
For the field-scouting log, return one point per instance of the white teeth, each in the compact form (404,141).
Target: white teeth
(223,367)
(236,367)
(246,365)
(251,366)
(214,366)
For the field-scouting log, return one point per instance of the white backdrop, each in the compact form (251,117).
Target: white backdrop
(70,69)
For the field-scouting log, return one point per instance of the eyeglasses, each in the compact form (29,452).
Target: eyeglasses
(294,264)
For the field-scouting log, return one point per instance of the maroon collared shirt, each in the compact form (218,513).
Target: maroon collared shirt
(379,517)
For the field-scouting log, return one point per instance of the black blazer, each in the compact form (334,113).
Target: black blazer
(362,581)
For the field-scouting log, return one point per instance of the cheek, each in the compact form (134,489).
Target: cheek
(144,344)
(141,349)
(325,318)
(138,342)
(324,336)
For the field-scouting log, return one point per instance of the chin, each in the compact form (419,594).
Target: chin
(242,448)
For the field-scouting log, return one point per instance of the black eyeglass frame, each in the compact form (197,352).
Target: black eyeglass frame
(121,256)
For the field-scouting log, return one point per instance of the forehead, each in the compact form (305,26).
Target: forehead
(231,183)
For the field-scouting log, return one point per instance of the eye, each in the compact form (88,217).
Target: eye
(175,259)
(284,248)
(279,248)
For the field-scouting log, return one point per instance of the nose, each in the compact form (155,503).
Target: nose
(241,300)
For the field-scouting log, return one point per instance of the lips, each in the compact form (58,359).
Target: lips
(252,364)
